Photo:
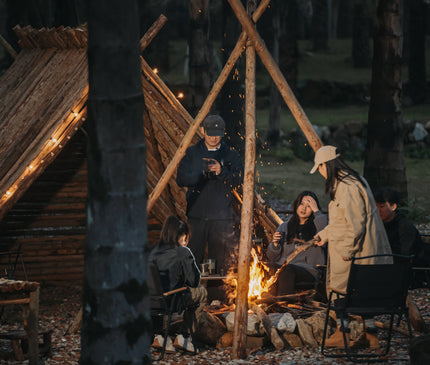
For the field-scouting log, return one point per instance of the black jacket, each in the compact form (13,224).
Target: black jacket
(406,240)
(176,265)
(210,197)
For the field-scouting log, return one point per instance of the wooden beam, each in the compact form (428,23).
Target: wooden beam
(238,49)
(8,47)
(277,76)
(152,32)
(247,212)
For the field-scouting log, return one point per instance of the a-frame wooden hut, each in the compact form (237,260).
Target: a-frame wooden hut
(43,173)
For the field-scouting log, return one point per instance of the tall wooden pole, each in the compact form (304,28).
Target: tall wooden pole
(206,107)
(277,76)
(152,32)
(241,313)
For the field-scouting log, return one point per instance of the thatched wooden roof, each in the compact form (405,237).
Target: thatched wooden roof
(43,103)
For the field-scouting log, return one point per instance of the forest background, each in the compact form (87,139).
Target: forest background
(323,47)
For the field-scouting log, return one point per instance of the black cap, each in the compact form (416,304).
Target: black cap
(214,125)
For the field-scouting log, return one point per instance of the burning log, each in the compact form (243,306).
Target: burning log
(304,246)
(292,298)
(270,330)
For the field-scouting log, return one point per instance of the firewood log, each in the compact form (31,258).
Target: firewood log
(270,330)
(305,245)
(417,321)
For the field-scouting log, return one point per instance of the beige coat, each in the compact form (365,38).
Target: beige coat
(355,229)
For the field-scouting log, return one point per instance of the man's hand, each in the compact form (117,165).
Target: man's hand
(213,165)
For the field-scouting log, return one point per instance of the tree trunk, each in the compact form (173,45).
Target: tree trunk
(320,25)
(199,56)
(384,160)
(344,21)
(232,94)
(284,33)
(361,54)
(273,132)
(157,53)
(417,51)
(116,323)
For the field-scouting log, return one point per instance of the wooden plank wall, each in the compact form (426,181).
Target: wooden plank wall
(49,221)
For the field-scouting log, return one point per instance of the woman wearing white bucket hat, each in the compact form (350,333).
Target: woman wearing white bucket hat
(355,227)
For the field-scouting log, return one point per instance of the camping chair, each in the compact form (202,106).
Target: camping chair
(371,290)
(9,261)
(164,304)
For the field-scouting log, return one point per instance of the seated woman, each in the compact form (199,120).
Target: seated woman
(305,222)
(178,268)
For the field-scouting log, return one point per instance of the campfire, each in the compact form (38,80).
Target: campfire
(281,319)
(258,274)
(260,280)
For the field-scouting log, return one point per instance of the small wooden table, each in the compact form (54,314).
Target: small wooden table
(26,293)
(204,279)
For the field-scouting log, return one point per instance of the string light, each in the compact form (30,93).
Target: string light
(180,95)
(155,70)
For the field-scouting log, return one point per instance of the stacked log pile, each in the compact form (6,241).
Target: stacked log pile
(289,321)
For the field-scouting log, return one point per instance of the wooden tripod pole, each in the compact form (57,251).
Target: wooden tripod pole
(180,152)
(277,76)
(247,213)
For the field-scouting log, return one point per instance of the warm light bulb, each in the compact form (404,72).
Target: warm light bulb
(180,95)
(75,114)
(155,70)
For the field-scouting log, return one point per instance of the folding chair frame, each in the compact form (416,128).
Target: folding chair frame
(343,310)
(167,303)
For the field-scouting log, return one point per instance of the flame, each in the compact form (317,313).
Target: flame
(258,272)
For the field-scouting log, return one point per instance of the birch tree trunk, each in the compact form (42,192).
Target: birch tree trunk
(116,324)
(384,160)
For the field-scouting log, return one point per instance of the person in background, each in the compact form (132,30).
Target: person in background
(178,268)
(403,236)
(305,222)
(355,228)
(211,170)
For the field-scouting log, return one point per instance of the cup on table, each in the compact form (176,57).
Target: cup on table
(211,266)
(204,269)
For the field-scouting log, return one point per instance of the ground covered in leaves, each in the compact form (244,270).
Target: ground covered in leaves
(59,306)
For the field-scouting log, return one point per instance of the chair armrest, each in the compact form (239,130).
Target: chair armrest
(174,291)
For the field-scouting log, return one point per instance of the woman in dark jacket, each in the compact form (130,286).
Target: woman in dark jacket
(304,223)
(177,268)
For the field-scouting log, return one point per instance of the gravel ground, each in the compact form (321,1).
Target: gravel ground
(59,305)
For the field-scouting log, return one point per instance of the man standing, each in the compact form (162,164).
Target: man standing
(211,170)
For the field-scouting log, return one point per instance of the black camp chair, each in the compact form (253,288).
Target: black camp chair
(164,304)
(372,290)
